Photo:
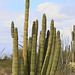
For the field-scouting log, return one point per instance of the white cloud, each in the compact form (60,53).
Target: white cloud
(63,21)
(52,10)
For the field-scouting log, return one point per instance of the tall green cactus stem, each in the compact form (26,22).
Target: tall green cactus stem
(71,50)
(29,54)
(36,28)
(25,38)
(12,34)
(33,29)
(46,60)
(38,54)
(12,29)
(71,47)
(22,66)
(40,63)
(15,53)
(36,33)
(46,43)
(56,54)
(52,53)
(33,56)
(73,39)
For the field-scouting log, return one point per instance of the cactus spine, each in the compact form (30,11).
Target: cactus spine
(56,54)
(46,60)
(73,39)
(52,53)
(25,38)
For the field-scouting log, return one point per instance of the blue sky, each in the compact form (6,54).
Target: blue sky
(62,11)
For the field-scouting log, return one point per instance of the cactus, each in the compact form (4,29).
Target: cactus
(73,39)
(12,29)
(43,62)
(40,63)
(15,53)
(33,29)
(29,54)
(12,35)
(46,43)
(46,60)
(52,53)
(33,56)
(25,38)
(56,54)
(38,54)
(22,66)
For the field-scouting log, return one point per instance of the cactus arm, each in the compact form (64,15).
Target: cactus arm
(52,53)
(25,38)
(45,64)
(56,55)
(33,56)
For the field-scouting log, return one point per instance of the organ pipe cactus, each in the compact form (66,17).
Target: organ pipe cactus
(56,54)
(32,63)
(52,53)
(15,53)
(12,35)
(46,43)
(40,63)
(46,60)
(38,54)
(33,29)
(33,56)
(12,29)
(25,38)
(73,39)
(22,66)
(29,54)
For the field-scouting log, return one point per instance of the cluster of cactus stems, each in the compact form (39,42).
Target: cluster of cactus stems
(33,62)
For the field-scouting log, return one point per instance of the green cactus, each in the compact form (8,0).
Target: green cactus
(36,28)
(29,54)
(52,53)
(21,66)
(33,29)
(15,54)
(40,63)
(38,54)
(33,56)
(12,29)
(12,35)
(25,38)
(46,43)
(73,39)
(46,60)
(56,54)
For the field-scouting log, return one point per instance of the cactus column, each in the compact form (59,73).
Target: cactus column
(73,39)
(41,57)
(33,56)
(25,38)
(52,53)
(56,54)
(15,53)
(46,60)
(29,54)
